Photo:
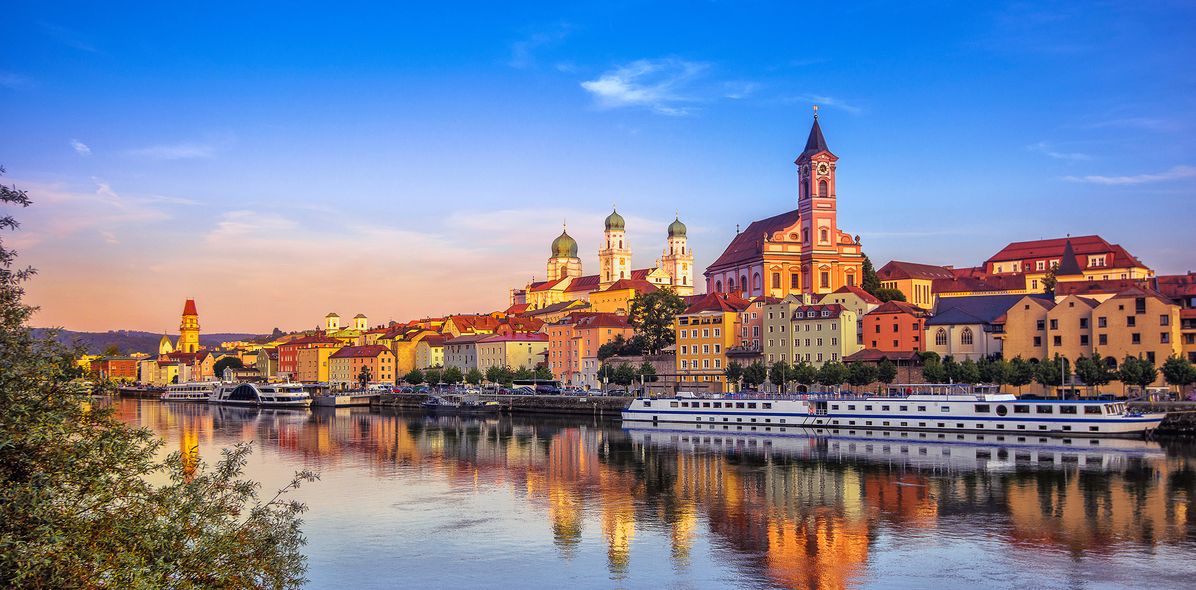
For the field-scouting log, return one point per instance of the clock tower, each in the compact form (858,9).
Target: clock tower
(816,208)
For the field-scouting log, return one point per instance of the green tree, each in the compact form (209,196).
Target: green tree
(88,501)
(473,376)
(754,374)
(524,373)
(112,350)
(967,372)
(434,375)
(861,374)
(1049,281)
(868,279)
(652,316)
(1093,371)
(886,371)
(1051,373)
(542,373)
(933,370)
(226,362)
(1178,371)
(995,371)
(624,375)
(415,377)
(889,295)
(779,374)
(1137,372)
(832,373)
(500,374)
(451,375)
(647,372)
(612,348)
(364,376)
(1021,373)
(734,372)
(805,374)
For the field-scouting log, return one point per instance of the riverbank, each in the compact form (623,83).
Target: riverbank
(527,404)
(1181,417)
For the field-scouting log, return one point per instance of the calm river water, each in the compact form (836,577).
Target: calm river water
(413,501)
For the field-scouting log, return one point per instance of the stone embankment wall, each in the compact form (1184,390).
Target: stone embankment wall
(1181,416)
(545,404)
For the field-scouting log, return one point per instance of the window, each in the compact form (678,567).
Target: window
(1021,409)
(1083,340)
(965,338)
(1102,339)
(1058,341)
(1164,320)
(1044,409)
(1130,321)
(1102,322)
(982,408)
(823,235)
(1054,324)
(1092,409)
(1083,323)
(794,281)
(824,279)
(1165,338)
(822,189)
(1067,409)
(1040,325)
(1135,338)
(1038,341)
(940,338)
(776,280)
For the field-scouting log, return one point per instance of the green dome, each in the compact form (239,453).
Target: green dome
(564,246)
(677,229)
(614,221)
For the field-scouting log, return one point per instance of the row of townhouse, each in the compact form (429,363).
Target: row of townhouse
(482,351)
(573,344)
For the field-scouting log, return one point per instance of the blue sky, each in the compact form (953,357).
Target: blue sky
(279,162)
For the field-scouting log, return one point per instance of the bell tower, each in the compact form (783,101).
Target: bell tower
(189,329)
(614,257)
(817,210)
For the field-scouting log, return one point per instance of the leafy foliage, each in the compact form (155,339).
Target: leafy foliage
(226,362)
(805,373)
(652,316)
(1050,373)
(832,373)
(886,371)
(860,374)
(434,375)
(1021,372)
(621,346)
(1138,372)
(780,373)
(868,279)
(1179,371)
(473,376)
(755,374)
(647,372)
(415,377)
(497,374)
(1093,371)
(451,375)
(734,372)
(889,295)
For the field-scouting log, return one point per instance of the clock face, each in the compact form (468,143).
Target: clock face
(823,168)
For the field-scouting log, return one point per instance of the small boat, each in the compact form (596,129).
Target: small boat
(341,399)
(195,391)
(278,395)
(477,406)
(436,403)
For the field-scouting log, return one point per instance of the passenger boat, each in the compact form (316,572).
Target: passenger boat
(340,399)
(436,403)
(278,395)
(477,406)
(195,391)
(952,408)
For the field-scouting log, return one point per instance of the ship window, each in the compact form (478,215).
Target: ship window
(835,406)
(1094,429)
(982,408)
(705,404)
(1067,409)
(1045,409)
(850,407)
(685,404)
(884,408)
(946,409)
(921,408)
(1022,409)
(672,404)
(647,404)
(783,421)
(752,405)
(1002,410)
(1066,428)
(1021,426)
(767,405)
(739,404)
(904,408)
(869,408)
(718,404)
(958,425)
(1092,409)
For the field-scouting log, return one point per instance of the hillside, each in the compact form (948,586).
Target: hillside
(129,341)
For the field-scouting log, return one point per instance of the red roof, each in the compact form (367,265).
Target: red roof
(639,285)
(1095,287)
(189,308)
(1177,286)
(310,340)
(468,339)
(435,340)
(517,337)
(368,351)
(898,270)
(602,320)
(517,308)
(728,302)
(587,283)
(862,294)
(473,323)
(890,307)
(979,283)
(1083,246)
(872,355)
(749,243)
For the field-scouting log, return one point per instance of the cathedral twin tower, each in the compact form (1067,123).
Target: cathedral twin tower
(673,269)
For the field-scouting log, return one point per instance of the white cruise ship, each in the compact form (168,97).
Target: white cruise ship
(195,391)
(278,395)
(951,408)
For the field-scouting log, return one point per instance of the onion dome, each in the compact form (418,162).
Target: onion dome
(564,246)
(614,221)
(677,229)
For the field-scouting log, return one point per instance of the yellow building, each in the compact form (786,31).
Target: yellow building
(795,332)
(511,350)
(1080,258)
(312,363)
(345,365)
(617,297)
(705,330)
(1138,323)
(429,353)
(189,329)
(915,281)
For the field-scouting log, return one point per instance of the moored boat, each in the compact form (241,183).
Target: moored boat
(951,408)
(195,391)
(279,395)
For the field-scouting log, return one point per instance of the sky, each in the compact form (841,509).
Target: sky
(279,161)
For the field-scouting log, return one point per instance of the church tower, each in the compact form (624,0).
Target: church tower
(614,258)
(817,211)
(678,260)
(563,261)
(189,329)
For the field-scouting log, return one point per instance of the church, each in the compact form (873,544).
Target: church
(565,281)
(801,251)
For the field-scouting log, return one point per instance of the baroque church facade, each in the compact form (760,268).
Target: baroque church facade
(799,252)
(565,280)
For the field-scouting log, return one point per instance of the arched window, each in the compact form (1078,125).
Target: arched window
(822,187)
(731,284)
(940,337)
(823,235)
(756,284)
(805,234)
(718,286)
(965,337)
(621,275)
(743,284)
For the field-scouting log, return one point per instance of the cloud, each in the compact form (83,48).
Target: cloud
(67,37)
(736,90)
(63,212)
(177,151)
(823,100)
(523,51)
(1045,148)
(80,148)
(1142,123)
(14,81)
(657,84)
(1175,173)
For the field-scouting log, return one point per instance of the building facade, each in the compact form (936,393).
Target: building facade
(895,326)
(345,365)
(705,330)
(795,331)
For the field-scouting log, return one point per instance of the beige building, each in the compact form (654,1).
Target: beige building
(429,352)
(1137,323)
(345,365)
(795,332)
(856,300)
(511,350)
(312,364)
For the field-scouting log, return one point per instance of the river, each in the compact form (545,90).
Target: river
(407,500)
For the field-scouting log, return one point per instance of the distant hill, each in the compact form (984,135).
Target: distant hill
(129,341)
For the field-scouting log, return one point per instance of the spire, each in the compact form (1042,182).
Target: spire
(1068,265)
(189,308)
(816,142)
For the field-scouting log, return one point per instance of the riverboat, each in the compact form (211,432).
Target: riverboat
(194,391)
(278,395)
(949,408)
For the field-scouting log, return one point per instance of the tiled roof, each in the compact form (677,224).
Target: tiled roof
(587,283)
(368,351)
(862,294)
(979,283)
(555,307)
(306,340)
(1177,286)
(1068,265)
(749,243)
(467,339)
(898,270)
(1102,287)
(189,308)
(472,323)
(516,337)
(815,142)
(517,308)
(872,355)
(899,307)
(730,302)
(545,285)
(639,285)
(1134,292)
(602,320)
(802,312)
(974,309)
(1082,246)
(435,340)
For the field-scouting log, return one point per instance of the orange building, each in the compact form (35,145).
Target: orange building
(802,251)
(573,346)
(288,353)
(115,368)
(345,365)
(895,326)
(705,330)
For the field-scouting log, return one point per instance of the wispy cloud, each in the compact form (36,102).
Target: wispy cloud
(80,148)
(1175,173)
(523,52)
(1141,123)
(823,100)
(68,212)
(1046,149)
(67,37)
(657,84)
(176,151)
(14,81)
(737,89)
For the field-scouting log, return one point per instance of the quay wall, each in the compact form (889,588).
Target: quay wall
(1181,416)
(542,404)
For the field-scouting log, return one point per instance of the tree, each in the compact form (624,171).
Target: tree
(1021,373)
(226,362)
(805,374)
(886,371)
(652,316)
(542,373)
(473,376)
(415,377)
(734,372)
(868,279)
(779,374)
(87,501)
(451,375)
(933,371)
(523,374)
(967,372)
(1049,281)
(832,373)
(1093,371)
(754,374)
(861,374)
(434,375)
(1137,372)
(612,348)
(889,295)
(112,350)
(624,375)
(995,371)
(647,372)
(1178,371)
(1050,373)
(500,374)
(365,376)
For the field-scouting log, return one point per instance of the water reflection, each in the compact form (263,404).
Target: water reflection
(721,508)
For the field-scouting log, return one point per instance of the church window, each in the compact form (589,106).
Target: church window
(718,286)
(743,284)
(776,280)
(620,244)
(850,280)
(823,235)
(622,275)
(940,337)
(966,337)
(805,234)
(756,283)
(822,188)
(824,279)
(684,280)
